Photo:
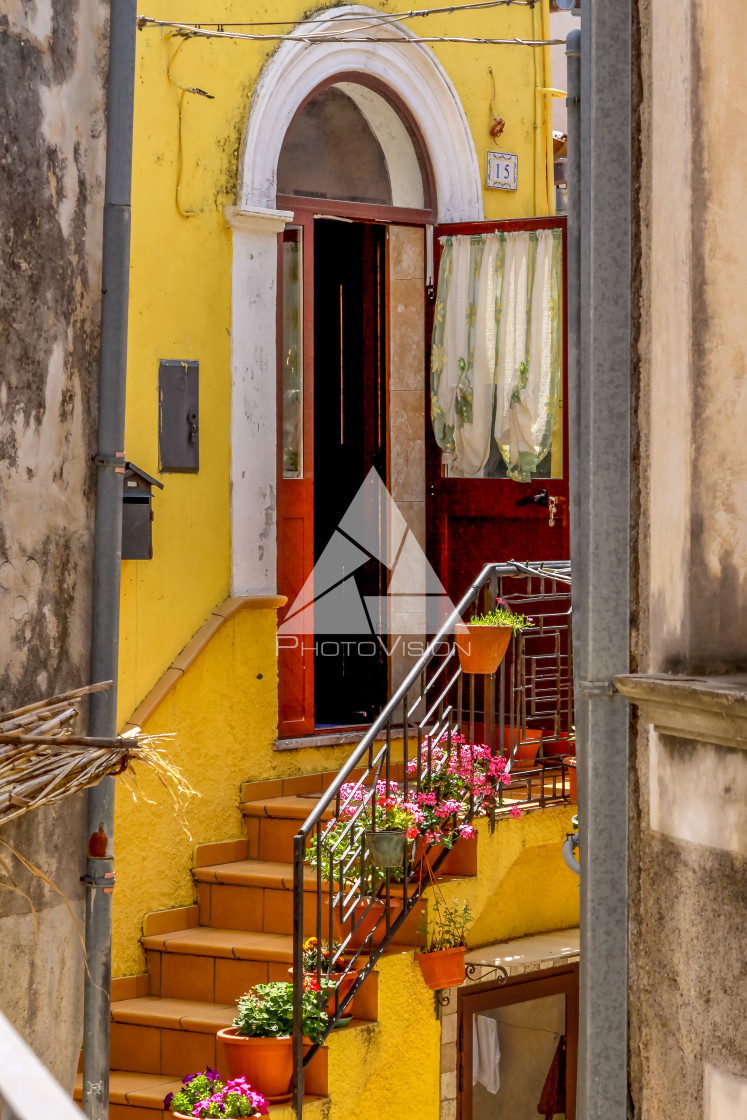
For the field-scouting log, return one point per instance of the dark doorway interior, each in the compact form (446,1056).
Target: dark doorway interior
(350,425)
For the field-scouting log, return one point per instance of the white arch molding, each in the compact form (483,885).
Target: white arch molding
(293,72)
(413,72)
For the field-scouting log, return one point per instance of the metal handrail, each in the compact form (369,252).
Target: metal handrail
(348,864)
(28,1091)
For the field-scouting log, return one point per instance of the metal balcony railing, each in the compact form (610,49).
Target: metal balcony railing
(528,704)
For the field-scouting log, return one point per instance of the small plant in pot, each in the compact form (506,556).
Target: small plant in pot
(442,961)
(326,961)
(259,1044)
(482,642)
(394,825)
(205,1095)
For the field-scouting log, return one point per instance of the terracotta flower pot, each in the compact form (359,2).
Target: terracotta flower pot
(482,648)
(266,1063)
(444,969)
(374,910)
(570,762)
(344,983)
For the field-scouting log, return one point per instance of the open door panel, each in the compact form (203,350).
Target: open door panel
(473,521)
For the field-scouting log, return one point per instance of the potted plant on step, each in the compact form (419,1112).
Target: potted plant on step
(259,1044)
(442,961)
(396,826)
(327,961)
(482,642)
(204,1094)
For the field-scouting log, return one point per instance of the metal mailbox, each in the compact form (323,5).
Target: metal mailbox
(137,513)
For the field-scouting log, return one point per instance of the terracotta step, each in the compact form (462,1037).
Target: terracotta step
(167,1036)
(256,895)
(139,1096)
(218,965)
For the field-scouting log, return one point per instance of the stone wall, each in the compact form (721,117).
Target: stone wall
(688,849)
(52,101)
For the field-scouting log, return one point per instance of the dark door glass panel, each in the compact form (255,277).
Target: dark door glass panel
(330,151)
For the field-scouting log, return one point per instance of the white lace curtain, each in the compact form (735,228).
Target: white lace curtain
(496,359)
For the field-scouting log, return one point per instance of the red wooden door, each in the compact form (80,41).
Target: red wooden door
(473,521)
(295,440)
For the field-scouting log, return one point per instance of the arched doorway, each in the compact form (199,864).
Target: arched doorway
(355,150)
(355,172)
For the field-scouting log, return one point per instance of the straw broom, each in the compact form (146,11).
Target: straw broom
(42,762)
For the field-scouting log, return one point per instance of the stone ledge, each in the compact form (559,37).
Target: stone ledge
(707,709)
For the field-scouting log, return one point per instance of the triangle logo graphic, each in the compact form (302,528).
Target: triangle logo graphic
(372,530)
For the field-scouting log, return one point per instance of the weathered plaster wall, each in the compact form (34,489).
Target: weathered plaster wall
(687,861)
(52,98)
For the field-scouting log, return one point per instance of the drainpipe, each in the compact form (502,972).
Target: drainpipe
(99,877)
(546,94)
(600,207)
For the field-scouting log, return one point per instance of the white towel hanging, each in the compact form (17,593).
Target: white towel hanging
(486,1053)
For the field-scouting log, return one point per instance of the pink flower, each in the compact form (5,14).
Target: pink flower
(515,812)
(412,832)
(427,798)
(466,831)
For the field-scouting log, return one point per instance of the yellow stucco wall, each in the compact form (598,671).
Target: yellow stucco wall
(523,885)
(223,713)
(181,274)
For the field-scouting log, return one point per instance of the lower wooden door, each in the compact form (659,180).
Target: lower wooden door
(517,1051)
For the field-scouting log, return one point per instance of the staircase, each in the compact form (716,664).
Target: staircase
(242,931)
(202,958)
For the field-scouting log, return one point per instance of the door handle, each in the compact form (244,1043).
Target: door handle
(538,499)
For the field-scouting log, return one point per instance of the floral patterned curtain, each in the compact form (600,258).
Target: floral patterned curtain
(496,358)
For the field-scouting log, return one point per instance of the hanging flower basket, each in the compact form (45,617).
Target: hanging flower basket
(444,968)
(387,847)
(482,648)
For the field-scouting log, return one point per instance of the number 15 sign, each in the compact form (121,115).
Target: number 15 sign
(503,170)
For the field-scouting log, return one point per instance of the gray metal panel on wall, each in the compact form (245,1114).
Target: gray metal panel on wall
(179,415)
(601,529)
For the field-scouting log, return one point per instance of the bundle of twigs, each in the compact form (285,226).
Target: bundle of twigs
(41,761)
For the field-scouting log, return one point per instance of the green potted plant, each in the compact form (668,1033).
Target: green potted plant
(442,961)
(259,1044)
(394,825)
(204,1094)
(482,642)
(319,959)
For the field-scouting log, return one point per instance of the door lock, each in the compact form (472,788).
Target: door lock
(541,498)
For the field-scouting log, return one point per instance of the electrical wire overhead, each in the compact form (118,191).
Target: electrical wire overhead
(356,34)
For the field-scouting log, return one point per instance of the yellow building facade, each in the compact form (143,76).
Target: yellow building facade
(198,654)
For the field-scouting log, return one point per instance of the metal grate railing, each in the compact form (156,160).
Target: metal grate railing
(523,714)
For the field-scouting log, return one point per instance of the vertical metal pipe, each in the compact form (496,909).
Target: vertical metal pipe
(601,456)
(99,876)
